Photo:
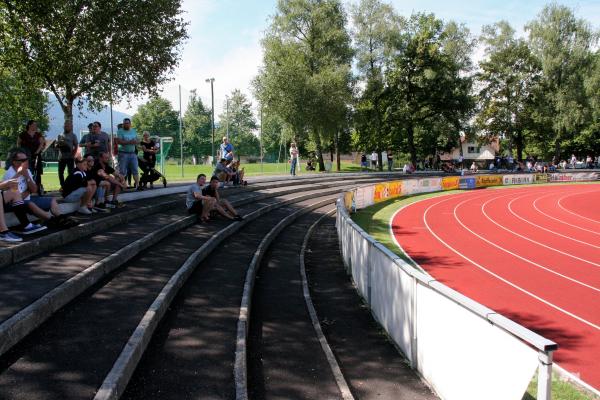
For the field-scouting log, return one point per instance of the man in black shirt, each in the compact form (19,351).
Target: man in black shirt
(223,206)
(76,188)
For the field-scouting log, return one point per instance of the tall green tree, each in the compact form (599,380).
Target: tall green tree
(158,117)
(376,33)
(238,118)
(507,79)
(19,102)
(306,78)
(101,50)
(562,43)
(197,132)
(425,85)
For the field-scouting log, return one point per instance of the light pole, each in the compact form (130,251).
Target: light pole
(227,114)
(212,97)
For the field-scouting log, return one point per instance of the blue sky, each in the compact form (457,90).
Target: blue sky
(225,37)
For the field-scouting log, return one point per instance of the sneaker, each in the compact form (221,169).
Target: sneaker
(115,204)
(101,208)
(84,210)
(110,204)
(8,236)
(32,228)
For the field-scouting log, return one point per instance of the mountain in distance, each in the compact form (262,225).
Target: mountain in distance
(81,119)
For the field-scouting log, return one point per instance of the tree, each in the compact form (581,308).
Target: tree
(377,30)
(19,102)
(427,87)
(241,123)
(507,79)
(102,50)
(197,128)
(562,44)
(305,78)
(158,117)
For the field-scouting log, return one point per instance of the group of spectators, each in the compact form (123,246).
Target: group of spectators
(228,169)
(374,158)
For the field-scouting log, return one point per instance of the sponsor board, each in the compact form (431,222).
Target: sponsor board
(520,179)
(388,190)
(488,180)
(541,178)
(574,177)
(363,197)
(410,186)
(450,183)
(467,183)
(430,185)
(349,201)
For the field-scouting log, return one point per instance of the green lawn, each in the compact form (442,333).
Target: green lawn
(173,172)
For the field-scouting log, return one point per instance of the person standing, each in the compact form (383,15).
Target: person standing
(96,141)
(33,142)
(390,160)
(374,160)
(227,150)
(293,158)
(67,146)
(127,141)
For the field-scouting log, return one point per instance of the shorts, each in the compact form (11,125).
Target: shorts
(43,202)
(196,208)
(75,195)
(128,162)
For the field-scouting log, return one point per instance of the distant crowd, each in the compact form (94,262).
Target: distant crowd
(97,172)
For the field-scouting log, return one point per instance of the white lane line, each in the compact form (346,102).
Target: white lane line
(574,213)
(560,220)
(591,324)
(546,229)
(531,240)
(510,252)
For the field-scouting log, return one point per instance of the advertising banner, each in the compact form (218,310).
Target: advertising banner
(488,180)
(410,186)
(363,197)
(467,183)
(574,177)
(450,183)
(541,178)
(349,201)
(430,185)
(521,179)
(395,189)
(380,192)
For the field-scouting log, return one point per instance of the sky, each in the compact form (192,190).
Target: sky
(224,39)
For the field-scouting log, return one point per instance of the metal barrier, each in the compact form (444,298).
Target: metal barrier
(462,349)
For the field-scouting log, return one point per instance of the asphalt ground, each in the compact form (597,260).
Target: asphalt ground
(192,353)
(285,357)
(371,364)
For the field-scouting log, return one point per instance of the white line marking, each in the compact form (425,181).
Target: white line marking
(560,220)
(548,230)
(499,277)
(531,240)
(510,252)
(574,213)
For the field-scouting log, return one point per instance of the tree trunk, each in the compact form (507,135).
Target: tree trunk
(519,144)
(68,109)
(557,144)
(337,151)
(411,145)
(317,140)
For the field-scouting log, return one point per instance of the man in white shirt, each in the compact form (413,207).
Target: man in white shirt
(374,159)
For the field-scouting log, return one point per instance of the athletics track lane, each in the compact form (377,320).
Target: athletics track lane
(549,292)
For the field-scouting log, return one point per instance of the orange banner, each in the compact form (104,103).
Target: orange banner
(488,180)
(450,183)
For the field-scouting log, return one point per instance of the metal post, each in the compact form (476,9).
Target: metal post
(180,132)
(112,134)
(212,97)
(227,114)
(261,143)
(544,388)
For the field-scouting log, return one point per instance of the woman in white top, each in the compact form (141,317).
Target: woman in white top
(293,158)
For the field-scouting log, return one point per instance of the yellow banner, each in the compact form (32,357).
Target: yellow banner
(348,200)
(395,189)
(541,178)
(450,183)
(488,180)
(380,193)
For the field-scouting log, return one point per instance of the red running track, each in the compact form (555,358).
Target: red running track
(531,254)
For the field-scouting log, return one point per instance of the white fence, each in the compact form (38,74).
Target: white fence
(461,348)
